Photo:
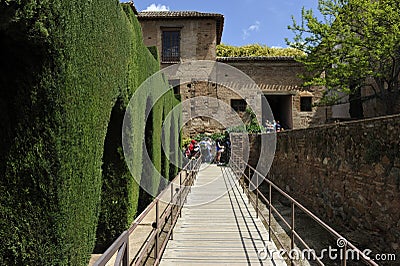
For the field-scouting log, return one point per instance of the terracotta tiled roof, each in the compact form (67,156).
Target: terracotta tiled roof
(174,14)
(149,15)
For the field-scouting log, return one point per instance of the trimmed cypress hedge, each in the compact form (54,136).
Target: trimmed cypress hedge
(68,70)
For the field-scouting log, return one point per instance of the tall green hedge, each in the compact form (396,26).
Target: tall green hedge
(154,136)
(120,191)
(68,70)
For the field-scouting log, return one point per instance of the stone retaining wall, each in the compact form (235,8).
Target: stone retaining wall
(349,175)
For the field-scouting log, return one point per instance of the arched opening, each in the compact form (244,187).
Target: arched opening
(180,153)
(115,174)
(147,172)
(172,148)
(164,160)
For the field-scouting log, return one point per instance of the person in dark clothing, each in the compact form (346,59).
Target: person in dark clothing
(278,126)
(227,151)
(220,149)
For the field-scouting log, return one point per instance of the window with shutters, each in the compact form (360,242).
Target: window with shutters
(171,46)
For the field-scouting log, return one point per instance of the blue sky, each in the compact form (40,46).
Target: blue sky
(246,21)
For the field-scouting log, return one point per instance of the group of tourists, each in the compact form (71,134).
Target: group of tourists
(274,126)
(192,150)
(217,151)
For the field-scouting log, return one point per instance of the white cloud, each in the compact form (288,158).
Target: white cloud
(252,28)
(158,7)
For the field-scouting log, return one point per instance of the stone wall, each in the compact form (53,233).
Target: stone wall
(280,76)
(349,175)
(206,89)
(218,108)
(274,76)
(277,77)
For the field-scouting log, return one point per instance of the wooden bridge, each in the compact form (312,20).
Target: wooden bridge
(218,225)
(208,216)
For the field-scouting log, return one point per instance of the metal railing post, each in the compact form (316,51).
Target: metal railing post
(172,211)
(188,186)
(157,232)
(120,247)
(188,183)
(292,233)
(125,259)
(294,237)
(257,196)
(180,193)
(269,211)
(244,179)
(248,186)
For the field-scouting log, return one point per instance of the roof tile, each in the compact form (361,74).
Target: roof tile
(149,15)
(167,14)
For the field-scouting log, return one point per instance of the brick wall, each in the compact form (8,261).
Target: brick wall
(217,108)
(348,174)
(274,76)
(198,36)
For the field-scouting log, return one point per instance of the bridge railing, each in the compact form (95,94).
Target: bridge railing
(239,167)
(156,224)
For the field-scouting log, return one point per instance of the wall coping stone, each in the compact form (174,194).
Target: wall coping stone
(343,124)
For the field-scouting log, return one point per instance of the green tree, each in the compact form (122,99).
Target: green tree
(354,44)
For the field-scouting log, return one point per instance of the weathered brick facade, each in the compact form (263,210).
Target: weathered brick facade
(277,77)
(199,32)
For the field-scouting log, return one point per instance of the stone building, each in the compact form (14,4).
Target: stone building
(183,36)
(278,78)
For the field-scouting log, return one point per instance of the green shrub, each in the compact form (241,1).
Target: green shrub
(68,70)
(120,191)
(250,50)
(154,51)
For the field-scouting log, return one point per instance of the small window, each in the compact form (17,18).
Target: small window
(171,45)
(239,105)
(306,104)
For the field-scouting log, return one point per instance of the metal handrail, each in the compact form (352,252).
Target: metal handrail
(120,247)
(239,165)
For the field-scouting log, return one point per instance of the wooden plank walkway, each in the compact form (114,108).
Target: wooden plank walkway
(218,226)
